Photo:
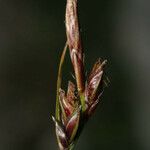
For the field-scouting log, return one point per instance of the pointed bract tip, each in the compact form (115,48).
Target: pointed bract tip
(53,118)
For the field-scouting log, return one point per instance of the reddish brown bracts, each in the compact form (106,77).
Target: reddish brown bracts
(74,107)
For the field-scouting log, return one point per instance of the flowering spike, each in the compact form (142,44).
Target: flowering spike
(93,84)
(70,120)
(74,42)
(94,80)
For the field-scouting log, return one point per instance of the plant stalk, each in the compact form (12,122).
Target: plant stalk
(59,80)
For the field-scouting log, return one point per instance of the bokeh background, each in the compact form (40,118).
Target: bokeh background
(32,35)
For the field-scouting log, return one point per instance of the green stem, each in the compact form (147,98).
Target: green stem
(59,79)
(71,147)
(82,99)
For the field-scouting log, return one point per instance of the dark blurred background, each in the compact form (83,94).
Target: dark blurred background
(32,35)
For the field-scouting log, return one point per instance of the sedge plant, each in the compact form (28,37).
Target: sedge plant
(75,106)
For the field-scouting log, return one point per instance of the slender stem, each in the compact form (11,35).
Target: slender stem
(82,99)
(59,79)
(71,146)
